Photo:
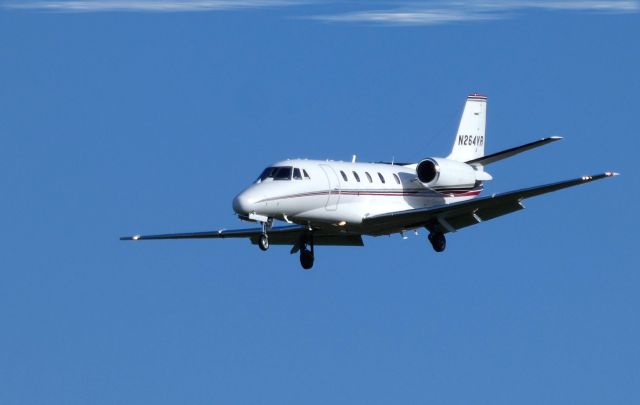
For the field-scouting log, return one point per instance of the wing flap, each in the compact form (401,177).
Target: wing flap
(461,221)
(318,239)
(499,210)
(468,218)
(283,235)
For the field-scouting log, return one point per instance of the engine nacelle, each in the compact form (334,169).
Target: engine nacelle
(441,172)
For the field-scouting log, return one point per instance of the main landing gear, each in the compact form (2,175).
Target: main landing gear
(438,241)
(306,256)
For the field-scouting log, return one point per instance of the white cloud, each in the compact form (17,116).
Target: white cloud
(409,12)
(408,16)
(612,5)
(148,5)
(442,12)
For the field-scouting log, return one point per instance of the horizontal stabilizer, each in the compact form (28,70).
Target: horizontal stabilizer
(485,160)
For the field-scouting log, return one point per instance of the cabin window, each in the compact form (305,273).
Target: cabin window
(356,176)
(306,175)
(381,177)
(282,173)
(296,174)
(344,176)
(395,176)
(369,177)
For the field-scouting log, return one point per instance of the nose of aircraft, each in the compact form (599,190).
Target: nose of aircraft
(242,203)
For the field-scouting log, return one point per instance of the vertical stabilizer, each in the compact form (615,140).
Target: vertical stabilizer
(470,139)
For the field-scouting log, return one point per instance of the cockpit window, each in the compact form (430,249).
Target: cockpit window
(296,174)
(306,175)
(277,173)
(266,173)
(282,173)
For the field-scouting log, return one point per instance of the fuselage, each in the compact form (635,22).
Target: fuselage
(340,194)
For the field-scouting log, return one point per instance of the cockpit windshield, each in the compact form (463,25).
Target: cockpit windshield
(265,174)
(276,173)
(282,173)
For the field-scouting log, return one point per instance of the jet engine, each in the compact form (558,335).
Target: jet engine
(440,172)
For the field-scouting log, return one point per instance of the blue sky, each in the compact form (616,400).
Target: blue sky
(120,117)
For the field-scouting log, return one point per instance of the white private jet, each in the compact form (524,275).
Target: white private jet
(335,203)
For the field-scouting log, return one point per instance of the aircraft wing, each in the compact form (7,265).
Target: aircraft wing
(451,217)
(278,235)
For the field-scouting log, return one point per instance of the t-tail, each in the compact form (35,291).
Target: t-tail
(465,165)
(468,146)
(470,139)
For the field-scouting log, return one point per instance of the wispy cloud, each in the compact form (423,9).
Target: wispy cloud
(411,16)
(442,12)
(148,5)
(409,12)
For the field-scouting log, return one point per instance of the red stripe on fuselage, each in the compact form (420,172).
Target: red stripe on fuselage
(417,194)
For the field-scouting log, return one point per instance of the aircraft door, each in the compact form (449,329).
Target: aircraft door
(334,188)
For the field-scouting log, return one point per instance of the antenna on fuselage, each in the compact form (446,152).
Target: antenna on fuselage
(353,159)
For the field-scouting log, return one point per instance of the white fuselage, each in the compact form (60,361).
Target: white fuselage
(332,194)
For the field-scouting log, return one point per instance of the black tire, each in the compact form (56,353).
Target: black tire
(306,259)
(438,241)
(263,242)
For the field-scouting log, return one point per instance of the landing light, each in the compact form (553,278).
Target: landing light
(136,237)
(342,223)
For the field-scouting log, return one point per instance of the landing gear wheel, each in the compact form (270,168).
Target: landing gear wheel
(306,259)
(263,242)
(438,241)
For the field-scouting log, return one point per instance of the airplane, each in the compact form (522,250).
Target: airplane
(336,203)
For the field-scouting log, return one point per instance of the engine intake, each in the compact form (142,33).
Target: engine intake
(440,172)
(427,171)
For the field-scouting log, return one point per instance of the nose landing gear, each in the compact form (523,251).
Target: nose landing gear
(263,242)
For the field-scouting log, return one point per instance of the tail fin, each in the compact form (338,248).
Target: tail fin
(469,142)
